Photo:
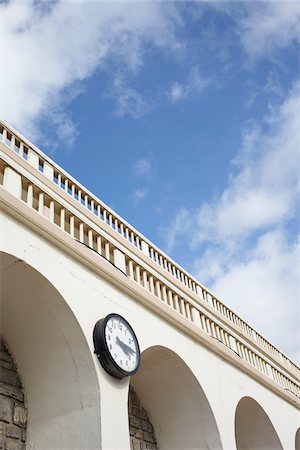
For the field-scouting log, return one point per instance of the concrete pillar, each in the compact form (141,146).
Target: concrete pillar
(145,248)
(195,316)
(33,159)
(232,343)
(48,171)
(12,182)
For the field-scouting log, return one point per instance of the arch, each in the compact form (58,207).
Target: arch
(175,402)
(54,360)
(253,427)
(297,440)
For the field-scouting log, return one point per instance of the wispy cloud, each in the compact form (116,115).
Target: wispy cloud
(138,196)
(267,27)
(249,253)
(128,100)
(194,84)
(143,168)
(39,66)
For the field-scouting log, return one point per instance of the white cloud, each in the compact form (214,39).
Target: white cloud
(128,100)
(263,284)
(143,168)
(269,26)
(138,196)
(248,259)
(46,49)
(194,84)
(264,190)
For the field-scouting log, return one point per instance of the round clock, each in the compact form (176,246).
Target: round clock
(116,346)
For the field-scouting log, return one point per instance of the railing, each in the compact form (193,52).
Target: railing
(72,224)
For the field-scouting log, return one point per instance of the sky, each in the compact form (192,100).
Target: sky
(184,117)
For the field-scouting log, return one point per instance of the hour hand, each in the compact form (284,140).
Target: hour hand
(126,349)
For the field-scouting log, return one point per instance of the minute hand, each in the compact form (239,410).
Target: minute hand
(126,349)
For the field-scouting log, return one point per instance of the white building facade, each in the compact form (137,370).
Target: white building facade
(207,379)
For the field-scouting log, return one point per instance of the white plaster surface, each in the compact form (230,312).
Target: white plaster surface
(50,331)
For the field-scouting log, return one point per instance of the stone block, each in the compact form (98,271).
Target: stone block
(23,437)
(13,444)
(2,444)
(20,415)
(8,376)
(134,421)
(142,414)
(144,425)
(150,427)
(6,409)
(11,391)
(148,437)
(6,365)
(137,433)
(13,431)
(135,444)
(5,356)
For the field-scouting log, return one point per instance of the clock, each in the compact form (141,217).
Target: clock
(116,346)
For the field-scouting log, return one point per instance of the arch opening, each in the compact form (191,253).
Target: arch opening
(297,440)
(175,403)
(253,428)
(55,362)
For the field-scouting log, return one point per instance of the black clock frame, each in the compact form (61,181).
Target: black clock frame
(101,349)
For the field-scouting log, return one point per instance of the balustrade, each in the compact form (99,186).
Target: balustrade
(188,307)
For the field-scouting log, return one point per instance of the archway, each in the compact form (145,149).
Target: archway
(54,360)
(297,440)
(253,428)
(174,402)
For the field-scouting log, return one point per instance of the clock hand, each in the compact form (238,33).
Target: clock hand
(126,349)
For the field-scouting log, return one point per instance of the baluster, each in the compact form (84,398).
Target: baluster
(176,303)
(62,218)
(138,274)
(107,250)
(99,245)
(90,238)
(4,135)
(130,268)
(51,211)
(72,226)
(81,232)
(170,298)
(30,195)
(41,203)
(157,287)
(145,280)
(151,284)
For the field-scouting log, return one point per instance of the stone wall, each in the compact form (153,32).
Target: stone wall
(13,412)
(141,431)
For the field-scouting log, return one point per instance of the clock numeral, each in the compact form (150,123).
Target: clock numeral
(110,346)
(110,329)
(130,341)
(120,326)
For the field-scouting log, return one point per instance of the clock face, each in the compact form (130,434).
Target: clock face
(116,346)
(122,343)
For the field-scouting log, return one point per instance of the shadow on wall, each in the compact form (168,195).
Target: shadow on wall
(54,360)
(174,402)
(253,428)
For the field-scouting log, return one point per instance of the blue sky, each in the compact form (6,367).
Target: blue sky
(184,118)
